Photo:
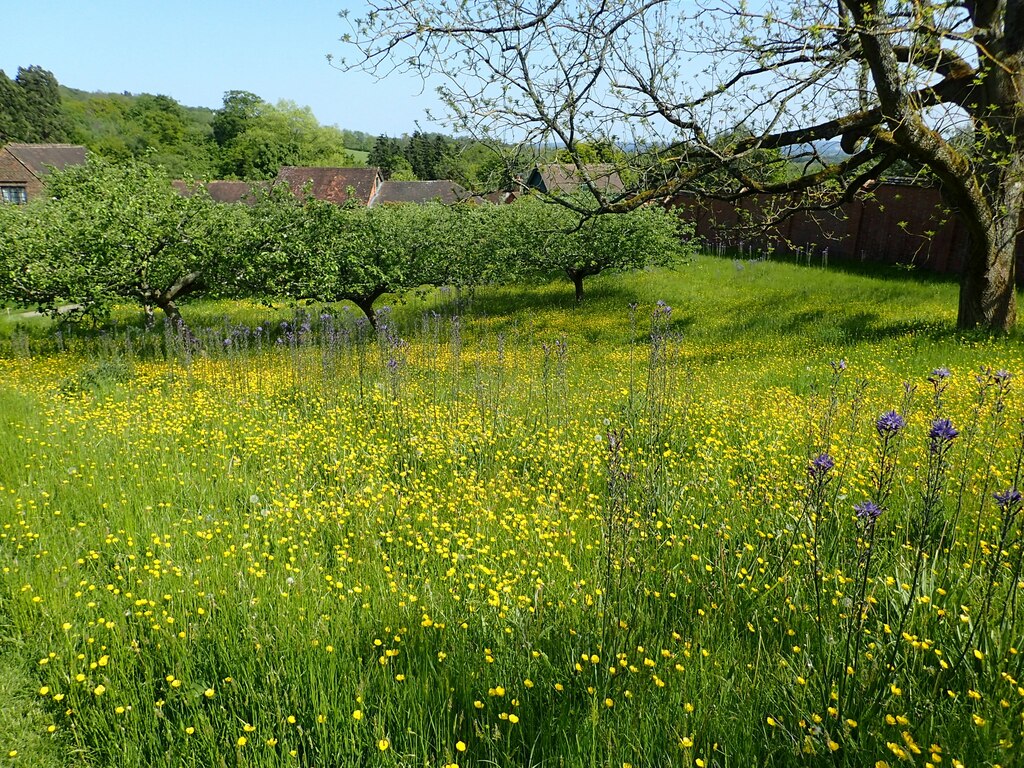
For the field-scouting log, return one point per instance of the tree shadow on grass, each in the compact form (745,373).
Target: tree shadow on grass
(775,315)
(901,273)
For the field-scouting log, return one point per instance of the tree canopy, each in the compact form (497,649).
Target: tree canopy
(113,233)
(890,79)
(30,107)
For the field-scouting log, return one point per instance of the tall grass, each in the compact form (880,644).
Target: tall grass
(730,528)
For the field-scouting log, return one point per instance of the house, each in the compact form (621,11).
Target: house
(566,178)
(420,192)
(334,185)
(23,168)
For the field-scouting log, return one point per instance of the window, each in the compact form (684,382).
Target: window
(15,195)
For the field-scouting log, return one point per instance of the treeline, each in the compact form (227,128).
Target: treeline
(109,234)
(247,138)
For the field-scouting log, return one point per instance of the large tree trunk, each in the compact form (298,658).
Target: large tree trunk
(987,284)
(992,212)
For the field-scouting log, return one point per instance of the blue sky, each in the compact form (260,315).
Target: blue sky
(193,51)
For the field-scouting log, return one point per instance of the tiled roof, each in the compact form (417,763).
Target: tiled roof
(39,158)
(419,192)
(223,191)
(335,185)
(566,177)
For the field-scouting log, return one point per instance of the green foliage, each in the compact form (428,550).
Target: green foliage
(386,154)
(257,138)
(308,249)
(541,238)
(246,139)
(12,110)
(426,153)
(30,107)
(312,250)
(239,109)
(155,130)
(112,234)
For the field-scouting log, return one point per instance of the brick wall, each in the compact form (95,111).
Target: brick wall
(896,224)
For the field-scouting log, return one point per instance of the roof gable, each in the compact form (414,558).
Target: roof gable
(38,159)
(334,185)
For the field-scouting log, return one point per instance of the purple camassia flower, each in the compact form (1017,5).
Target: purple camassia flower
(889,423)
(1002,376)
(661,308)
(820,465)
(868,510)
(939,374)
(942,431)
(1007,498)
(838,365)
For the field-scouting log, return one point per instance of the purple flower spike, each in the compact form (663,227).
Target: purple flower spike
(942,432)
(939,374)
(820,465)
(1002,376)
(889,423)
(1007,498)
(838,366)
(868,510)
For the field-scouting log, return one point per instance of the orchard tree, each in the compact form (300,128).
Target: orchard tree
(110,234)
(310,250)
(889,79)
(534,238)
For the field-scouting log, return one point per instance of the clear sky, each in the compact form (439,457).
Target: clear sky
(195,50)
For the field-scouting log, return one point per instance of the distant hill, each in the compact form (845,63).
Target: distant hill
(157,129)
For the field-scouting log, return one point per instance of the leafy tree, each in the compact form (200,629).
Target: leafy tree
(113,234)
(258,153)
(30,107)
(357,140)
(307,249)
(155,130)
(891,79)
(258,138)
(239,109)
(534,238)
(12,111)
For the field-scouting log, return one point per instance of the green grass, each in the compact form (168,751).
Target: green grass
(360,156)
(267,552)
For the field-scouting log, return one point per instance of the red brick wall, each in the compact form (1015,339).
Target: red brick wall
(896,224)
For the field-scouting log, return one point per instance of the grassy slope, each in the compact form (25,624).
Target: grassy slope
(358,155)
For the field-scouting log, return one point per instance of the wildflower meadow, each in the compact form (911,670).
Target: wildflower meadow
(733,514)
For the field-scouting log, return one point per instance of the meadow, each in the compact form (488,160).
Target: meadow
(734,514)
